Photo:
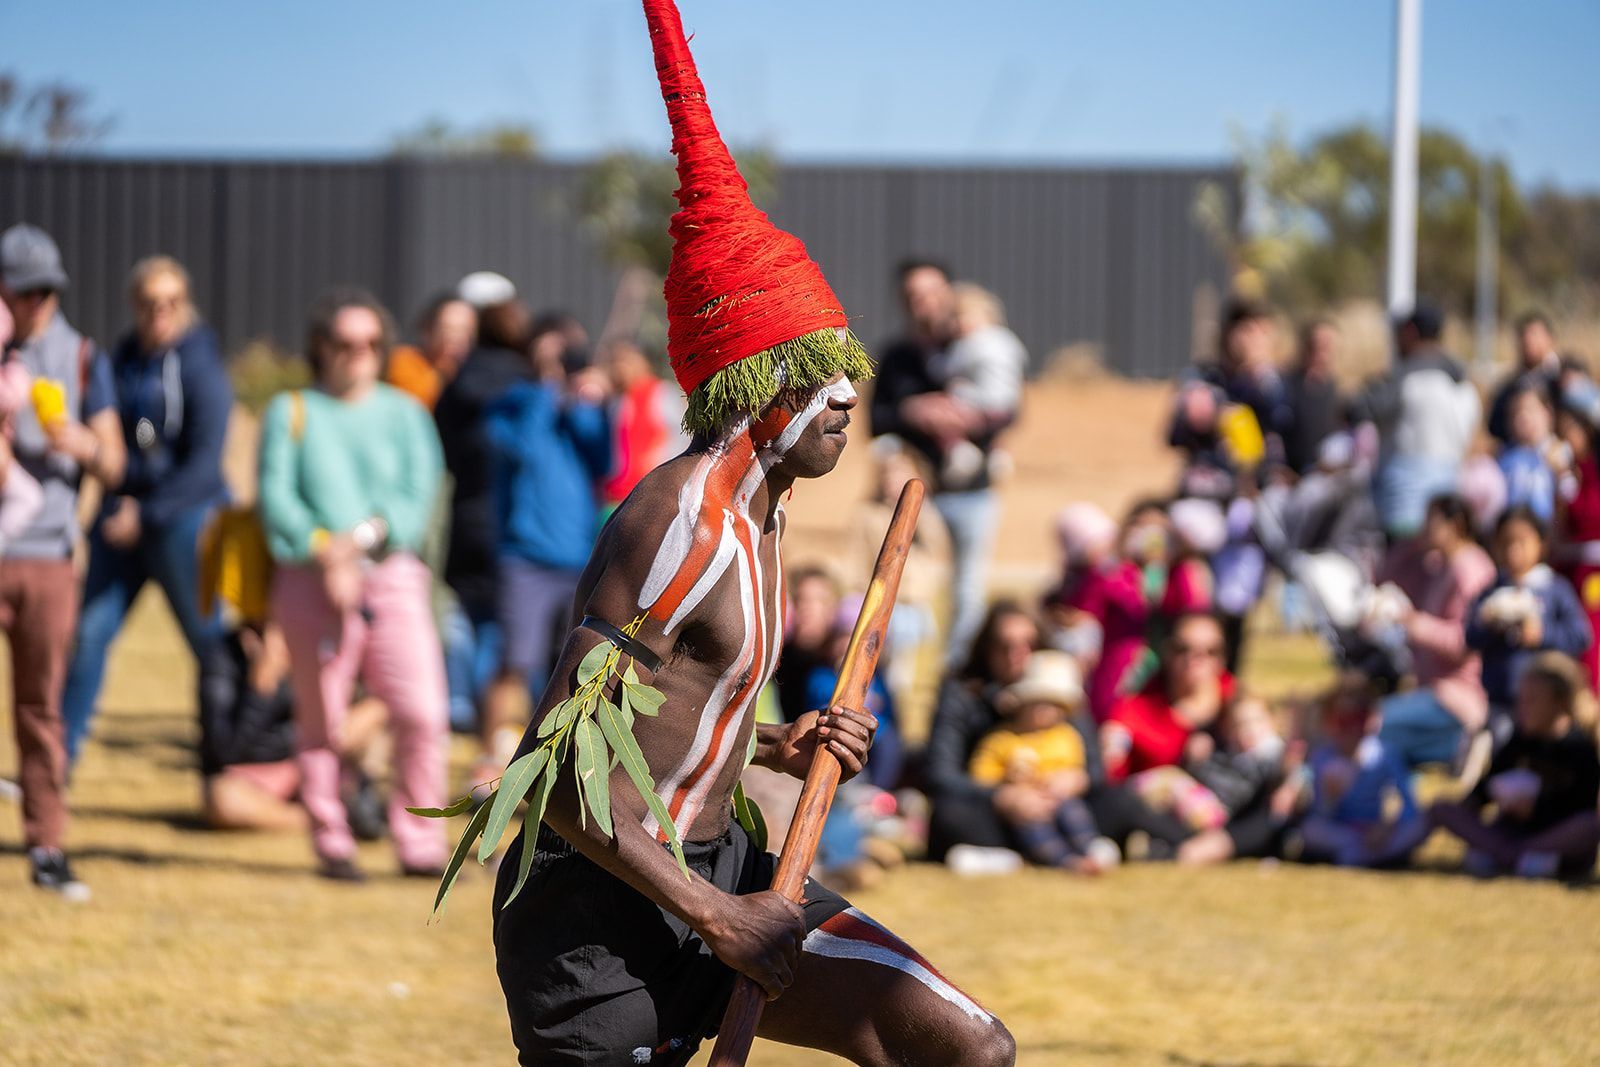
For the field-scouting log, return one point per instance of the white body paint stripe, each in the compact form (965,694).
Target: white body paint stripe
(821,943)
(840,390)
(696,799)
(727,548)
(679,539)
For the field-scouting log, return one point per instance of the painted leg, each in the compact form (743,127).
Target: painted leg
(862,993)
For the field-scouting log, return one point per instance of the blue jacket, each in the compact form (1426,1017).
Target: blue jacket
(1529,481)
(1566,629)
(548,453)
(174,409)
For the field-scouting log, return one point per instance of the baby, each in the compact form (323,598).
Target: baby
(20,493)
(1245,758)
(1037,748)
(983,368)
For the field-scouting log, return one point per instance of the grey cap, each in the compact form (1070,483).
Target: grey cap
(29,259)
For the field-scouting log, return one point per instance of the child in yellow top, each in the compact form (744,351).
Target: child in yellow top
(1037,764)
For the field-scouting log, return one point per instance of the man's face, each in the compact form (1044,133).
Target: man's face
(1534,344)
(1324,342)
(1250,345)
(31,309)
(930,302)
(814,439)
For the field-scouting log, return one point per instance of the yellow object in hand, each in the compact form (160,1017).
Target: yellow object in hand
(1241,433)
(49,402)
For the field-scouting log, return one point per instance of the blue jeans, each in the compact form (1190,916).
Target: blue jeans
(472,649)
(971,517)
(1404,485)
(1418,729)
(165,554)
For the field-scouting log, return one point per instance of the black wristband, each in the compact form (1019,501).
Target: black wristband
(630,645)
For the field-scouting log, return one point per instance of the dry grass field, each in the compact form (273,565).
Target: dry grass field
(202,948)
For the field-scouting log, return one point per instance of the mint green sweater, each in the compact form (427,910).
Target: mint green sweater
(343,463)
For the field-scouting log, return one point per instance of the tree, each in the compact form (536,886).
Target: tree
(1316,219)
(439,138)
(626,201)
(51,118)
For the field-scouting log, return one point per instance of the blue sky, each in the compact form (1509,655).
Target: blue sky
(943,80)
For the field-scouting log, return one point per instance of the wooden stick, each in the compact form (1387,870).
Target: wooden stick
(743,1016)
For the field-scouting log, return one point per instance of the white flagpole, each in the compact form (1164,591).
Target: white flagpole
(1403,158)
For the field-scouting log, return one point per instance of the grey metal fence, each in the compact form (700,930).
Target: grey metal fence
(1109,257)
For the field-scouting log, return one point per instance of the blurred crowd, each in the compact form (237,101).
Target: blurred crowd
(424,509)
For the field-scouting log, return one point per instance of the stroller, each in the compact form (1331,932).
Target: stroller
(1325,537)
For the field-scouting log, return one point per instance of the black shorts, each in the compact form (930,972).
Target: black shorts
(595,973)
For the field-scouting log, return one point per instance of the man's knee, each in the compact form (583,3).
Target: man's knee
(989,1046)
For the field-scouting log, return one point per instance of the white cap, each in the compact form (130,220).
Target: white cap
(485,288)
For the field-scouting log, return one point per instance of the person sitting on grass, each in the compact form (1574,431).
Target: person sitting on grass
(1529,608)
(1036,747)
(1544,784)
(1241,756)
(1353,777)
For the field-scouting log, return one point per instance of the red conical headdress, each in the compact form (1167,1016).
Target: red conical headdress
(737,287)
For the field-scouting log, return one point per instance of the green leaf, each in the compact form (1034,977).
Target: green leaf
(594,662)
(513,787)
(748,815)
(558,718)
(530,834)
(593,777)
(457,807)
(645,699)
(453,868)
(633,761)
(629,675)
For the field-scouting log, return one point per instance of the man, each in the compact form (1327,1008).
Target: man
(913,401)
(1426,411)
(550,444)
(173,399)
(38,588)
(1538,367)
(1314,403)
(610,954)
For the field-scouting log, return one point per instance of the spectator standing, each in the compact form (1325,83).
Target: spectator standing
(471,567)
(70,430)
(1244,376)
(913,400)
(1426,412)
(1316,408)
(1441,573)
(1538,367)
(173,399)
(349,473)
(646,416)
(550,446)
(448,329)
(1528,461)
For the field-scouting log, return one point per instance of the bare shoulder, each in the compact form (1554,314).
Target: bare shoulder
(627,547)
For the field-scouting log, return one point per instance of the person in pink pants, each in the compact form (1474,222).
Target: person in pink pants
(350,471)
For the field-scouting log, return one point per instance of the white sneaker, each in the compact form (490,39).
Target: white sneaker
(975,861)
(1104,852)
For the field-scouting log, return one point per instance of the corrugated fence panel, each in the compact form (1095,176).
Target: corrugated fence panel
(1108,257)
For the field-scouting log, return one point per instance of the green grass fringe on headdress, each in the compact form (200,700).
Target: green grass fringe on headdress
(750,385)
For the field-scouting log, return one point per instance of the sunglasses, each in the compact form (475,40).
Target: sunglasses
(171,303)
(1198,651)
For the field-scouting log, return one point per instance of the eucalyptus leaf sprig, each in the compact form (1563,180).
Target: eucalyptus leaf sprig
(597,731)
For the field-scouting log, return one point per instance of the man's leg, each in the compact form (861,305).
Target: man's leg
(862,993)
(114,579)
(971,519)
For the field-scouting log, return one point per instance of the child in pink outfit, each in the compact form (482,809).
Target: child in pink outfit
(1099,610)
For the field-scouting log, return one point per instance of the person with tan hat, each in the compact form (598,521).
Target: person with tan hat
(1037,747)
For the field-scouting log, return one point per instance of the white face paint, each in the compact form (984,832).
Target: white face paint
(841,391)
